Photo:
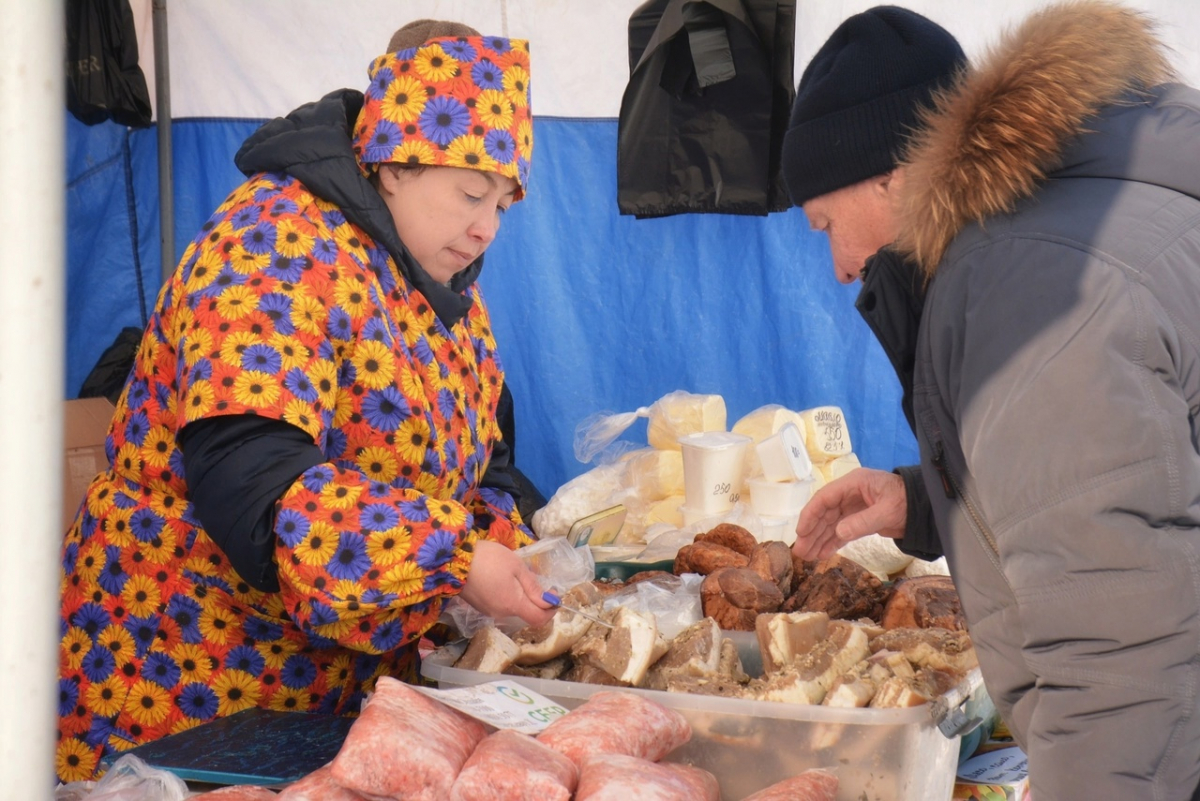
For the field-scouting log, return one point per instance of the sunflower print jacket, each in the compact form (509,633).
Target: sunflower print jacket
(280,307)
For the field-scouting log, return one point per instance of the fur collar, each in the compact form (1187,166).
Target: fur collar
(991,138)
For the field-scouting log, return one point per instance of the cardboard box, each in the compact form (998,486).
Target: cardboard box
(1001,775)
(85,425)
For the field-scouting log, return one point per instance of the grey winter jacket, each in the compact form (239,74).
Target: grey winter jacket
(1056,208)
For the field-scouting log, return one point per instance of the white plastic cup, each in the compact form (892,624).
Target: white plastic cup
(783,456)
(713,469)
(691,515)
(782,529)
(779,498)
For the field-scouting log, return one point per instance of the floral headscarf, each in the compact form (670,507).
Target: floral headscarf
(452,102)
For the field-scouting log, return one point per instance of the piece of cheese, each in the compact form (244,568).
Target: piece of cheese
(680,413)
(666,511)
(836,468)
(765,421)
(825,433)
(656,474)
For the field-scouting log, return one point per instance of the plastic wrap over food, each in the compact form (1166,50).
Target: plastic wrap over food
(129,779)
(405,746)
(559,565)
(509,766)
(673,600)
(616,777)
(246,792)
(581,496)
(617,723)
(318,786)
(811,785)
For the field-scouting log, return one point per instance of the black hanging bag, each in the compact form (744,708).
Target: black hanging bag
(706,108)
(103,77)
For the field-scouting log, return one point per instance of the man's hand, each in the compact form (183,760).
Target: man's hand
(862,502)
(499,585)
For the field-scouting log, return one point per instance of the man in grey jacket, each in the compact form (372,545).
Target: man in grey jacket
(1050,203)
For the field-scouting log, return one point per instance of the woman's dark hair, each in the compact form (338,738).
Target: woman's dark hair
(414,169)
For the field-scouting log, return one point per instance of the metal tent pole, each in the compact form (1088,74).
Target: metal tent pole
(32,318)
(162,97)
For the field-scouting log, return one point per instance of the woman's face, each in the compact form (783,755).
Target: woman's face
(446,216)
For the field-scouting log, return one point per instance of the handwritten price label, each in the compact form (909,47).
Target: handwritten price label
(503,704)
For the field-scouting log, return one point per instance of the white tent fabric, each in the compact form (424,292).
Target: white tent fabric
(593,311)
(579,47)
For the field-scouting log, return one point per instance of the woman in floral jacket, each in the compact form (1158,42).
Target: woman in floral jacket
(303,458)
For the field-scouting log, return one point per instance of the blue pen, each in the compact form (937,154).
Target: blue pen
(555,601)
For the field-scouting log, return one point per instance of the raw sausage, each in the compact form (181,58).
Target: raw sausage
(811,785)
(318,786)
(509,766)
(405,745)
(618,723)
(615,777)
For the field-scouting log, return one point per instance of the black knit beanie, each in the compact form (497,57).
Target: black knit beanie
(858,99)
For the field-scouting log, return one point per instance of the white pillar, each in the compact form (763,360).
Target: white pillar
(32,154)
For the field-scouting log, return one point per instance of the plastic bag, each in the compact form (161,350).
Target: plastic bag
(673,600)
(559,567)
(597,432)
(583,495)
(129,779)
(103,77)
(558,564)
(670,417)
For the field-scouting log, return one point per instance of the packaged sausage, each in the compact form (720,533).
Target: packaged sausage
(405,745)
(238,793)
(617,723)
(811,785)
(318,786)
(509,766)
(616,777)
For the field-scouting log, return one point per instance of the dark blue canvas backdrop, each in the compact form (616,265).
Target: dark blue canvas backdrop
(592,310)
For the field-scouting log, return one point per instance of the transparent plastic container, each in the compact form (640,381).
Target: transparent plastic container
(877,754)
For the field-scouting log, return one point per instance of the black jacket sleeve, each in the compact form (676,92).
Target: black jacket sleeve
(920,532)
(236,468)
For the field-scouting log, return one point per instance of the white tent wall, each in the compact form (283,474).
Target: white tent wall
(592,310)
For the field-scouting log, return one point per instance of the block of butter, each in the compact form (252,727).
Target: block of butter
(681,413)
(836,468)
(826,435)
(656,474)
(666,511)
(765,421)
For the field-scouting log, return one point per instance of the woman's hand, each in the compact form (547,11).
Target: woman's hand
(499,585)
(862,502)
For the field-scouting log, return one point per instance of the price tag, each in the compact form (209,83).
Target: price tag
(503,704)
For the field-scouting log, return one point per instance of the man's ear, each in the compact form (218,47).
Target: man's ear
(889,183)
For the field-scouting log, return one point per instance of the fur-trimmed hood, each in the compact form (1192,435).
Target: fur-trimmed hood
(1023,112)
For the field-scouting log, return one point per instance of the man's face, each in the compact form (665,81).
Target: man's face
(858,219)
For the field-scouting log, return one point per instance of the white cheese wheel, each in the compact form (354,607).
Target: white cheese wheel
(826,434)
